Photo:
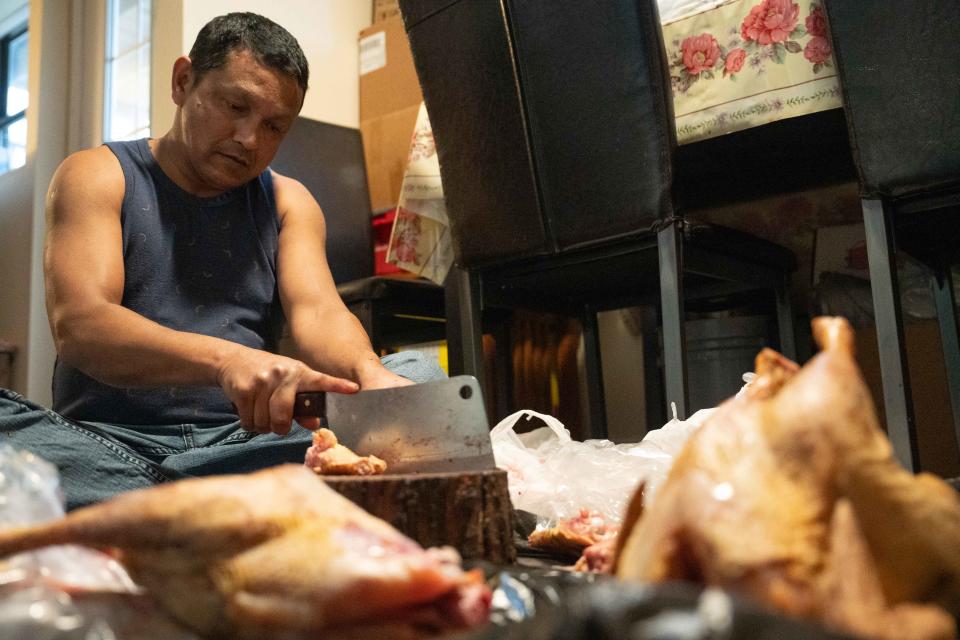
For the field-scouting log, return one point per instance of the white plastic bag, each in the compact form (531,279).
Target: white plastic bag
(30,494)
(554,476)
(65,592)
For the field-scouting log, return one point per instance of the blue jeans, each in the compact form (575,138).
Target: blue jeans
(98,460)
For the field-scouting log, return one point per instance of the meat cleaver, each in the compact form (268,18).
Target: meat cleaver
(423,428)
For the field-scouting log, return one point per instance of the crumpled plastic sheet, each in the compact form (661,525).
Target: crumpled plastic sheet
(553,476)
(560,605)
(64,592)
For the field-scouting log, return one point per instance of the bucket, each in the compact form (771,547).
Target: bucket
(719,352)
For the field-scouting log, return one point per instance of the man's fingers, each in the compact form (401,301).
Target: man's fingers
(316,381)
(281,407)
(261,411)
(244,409)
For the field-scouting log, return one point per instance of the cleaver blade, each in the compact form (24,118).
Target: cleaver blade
(437,426)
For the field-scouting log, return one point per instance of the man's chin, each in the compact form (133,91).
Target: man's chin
(226,180)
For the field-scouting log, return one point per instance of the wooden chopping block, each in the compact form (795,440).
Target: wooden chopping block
(470,511)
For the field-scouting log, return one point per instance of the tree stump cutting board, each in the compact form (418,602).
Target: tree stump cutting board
(470,511)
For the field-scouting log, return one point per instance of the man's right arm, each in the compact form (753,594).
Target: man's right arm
(84,269)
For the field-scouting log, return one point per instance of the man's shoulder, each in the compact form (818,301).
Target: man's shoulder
(291,194)
(286,184)
(92,172)
(98,166)
(99,161)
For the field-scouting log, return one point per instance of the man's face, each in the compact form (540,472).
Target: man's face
(234,118)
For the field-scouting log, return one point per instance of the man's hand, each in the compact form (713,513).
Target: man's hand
(382,378)
(263,387)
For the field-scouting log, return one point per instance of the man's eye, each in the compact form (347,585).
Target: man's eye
(235,107)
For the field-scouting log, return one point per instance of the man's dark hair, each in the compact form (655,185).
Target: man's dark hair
(270,44)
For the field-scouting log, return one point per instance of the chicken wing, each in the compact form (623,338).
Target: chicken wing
(327,456)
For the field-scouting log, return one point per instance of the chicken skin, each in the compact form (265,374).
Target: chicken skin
(790,494)
(272,554)
(327,456)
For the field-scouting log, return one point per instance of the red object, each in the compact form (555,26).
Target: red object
(382,225)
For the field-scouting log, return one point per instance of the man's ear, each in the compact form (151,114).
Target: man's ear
(182,79)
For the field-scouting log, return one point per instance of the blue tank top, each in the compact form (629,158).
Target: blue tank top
(202,265)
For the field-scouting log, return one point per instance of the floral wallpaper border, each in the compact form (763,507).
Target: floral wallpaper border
(746,63)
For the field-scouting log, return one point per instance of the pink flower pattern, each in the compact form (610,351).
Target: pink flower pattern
(770,21)
(734,61)
(816,22)
(768,33)
(818,50)
(699,53)
(408,236)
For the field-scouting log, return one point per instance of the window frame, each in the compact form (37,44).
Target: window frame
(5,40)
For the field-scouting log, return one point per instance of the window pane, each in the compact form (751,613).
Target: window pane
(129,25)
(17,92)
(127,81)
(129,102)
(13,145)
(17,143)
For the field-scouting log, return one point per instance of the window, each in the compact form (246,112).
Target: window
(127,74)
(14,97)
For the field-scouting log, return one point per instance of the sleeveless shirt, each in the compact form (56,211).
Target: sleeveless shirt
(200,265)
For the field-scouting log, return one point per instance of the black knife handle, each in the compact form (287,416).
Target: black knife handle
(310,404)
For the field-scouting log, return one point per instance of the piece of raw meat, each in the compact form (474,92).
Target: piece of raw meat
(790,494)
(275,553)
(326,456)
(598,557)
(573,535)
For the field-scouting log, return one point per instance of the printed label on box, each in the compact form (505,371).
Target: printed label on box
(373,52)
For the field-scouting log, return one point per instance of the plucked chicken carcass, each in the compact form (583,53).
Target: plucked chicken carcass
(326,456)
(272,554)
(791,495)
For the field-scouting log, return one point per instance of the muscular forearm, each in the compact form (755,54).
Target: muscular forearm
(122,348)
(334,342)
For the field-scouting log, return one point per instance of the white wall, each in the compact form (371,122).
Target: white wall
(54,97)
(16,214)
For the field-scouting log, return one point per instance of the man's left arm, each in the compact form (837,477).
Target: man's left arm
(329,338)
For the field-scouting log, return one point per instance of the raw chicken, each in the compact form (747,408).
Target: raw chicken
(573,535)
(790,494)
(272,554)
(598,557)
(328,457)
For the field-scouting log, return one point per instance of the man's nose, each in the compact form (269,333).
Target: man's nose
(246,133)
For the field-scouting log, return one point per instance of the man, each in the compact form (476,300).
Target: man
(170,265)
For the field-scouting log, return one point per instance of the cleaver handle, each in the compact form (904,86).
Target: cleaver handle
(310,404)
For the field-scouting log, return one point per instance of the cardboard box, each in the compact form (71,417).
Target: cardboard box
(841,249)
(388,80)
(385,9)
(389,99)
(386,145)
(928,382)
